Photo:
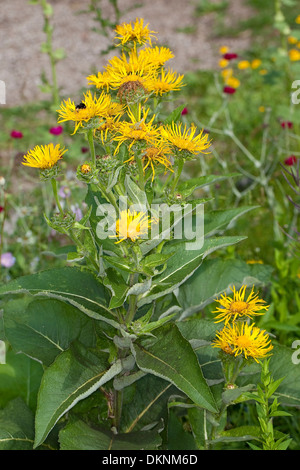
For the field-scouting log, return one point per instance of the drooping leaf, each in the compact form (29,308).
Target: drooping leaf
(80,436)
(182,265)
(44,328)
(172,358)
(73,376)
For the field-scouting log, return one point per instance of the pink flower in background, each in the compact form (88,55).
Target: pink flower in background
(16,134)
(56,130)
(290,160)
(230,56)
(287,124)
(184,111)
(1,209)
(64,192)
(7,260)
(229,90)
(84,149)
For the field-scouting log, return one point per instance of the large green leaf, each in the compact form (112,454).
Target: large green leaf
(189,186)
(146,403)
(44,328)
(69,284)
(74,375)
(16,426)
(215,221)
(216,276)
(171,357)
(80,436)
(20,377)
(182,265)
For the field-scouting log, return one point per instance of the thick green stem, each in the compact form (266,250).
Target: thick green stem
(178,174)
(90,138)
(54,187)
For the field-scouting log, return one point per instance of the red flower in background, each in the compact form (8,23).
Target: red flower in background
(184,111)
(287,124)
(290,160)
(230,56)
(229,90)
(16,134)
(56,130)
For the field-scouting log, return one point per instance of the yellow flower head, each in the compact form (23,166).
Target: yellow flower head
(44,156)
(155,155)
(294,55)
(185,139)
(137,130)
(223,49)
(223,63)
(243,64)
(167,81)
(89,108)
(132,225)
(155,56)
(292,40)
(233,82)
(138,33)
(241,338)
(297,20)
(236,307)
(255,63)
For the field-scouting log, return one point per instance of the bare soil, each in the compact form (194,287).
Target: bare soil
(21,36)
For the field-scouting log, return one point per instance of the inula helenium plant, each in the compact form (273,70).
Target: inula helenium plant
(125,358)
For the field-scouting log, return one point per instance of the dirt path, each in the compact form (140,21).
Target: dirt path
(21,36)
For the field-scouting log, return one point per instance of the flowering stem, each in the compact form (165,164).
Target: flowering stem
(178,174)
(54,187)
(90,138)
(141,172)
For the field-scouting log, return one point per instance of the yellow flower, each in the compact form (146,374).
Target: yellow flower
(223,63)
(167,81)
(89,108)
(263,72)
(243,64)
(137,130)
(233,82)
(297,20)
(44,156)
(155,155)
(241,338)
(294,55)
(238,306)
(155,56)
(101,80)
(261,109)
(185,139)
(132,225)
(226,73)
(256,261)
(136,33)
(292,40)
(223,49)
(255,63)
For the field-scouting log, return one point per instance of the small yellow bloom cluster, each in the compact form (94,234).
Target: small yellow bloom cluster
(227,71)
(294,51)
(238,337)
(119,114)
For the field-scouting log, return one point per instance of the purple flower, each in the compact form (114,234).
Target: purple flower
(16,134)
(7,260)
(56,130)
(64,192)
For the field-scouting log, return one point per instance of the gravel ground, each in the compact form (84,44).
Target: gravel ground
(21,36)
